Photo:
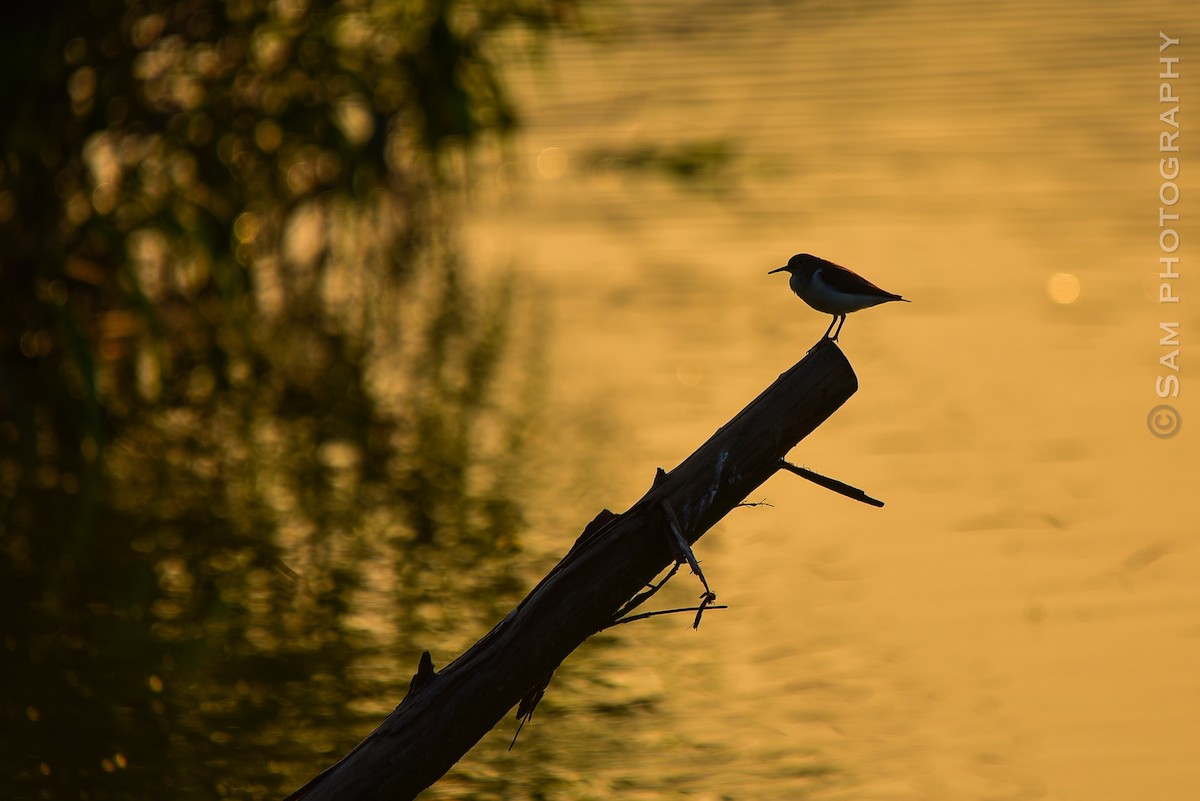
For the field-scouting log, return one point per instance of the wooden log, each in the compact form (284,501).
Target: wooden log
(446,712)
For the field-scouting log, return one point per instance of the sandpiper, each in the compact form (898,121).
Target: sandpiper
(832,289)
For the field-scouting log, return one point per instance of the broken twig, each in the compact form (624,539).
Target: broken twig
(828,483)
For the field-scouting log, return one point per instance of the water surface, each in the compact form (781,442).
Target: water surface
(1020,620)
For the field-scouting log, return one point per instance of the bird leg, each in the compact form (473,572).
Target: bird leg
(839,328)
(839,320)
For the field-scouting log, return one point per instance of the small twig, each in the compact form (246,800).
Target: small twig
(683,551)
(839,487)
(705,599)
(517,733)
(528,704)
(645,595)
(645,615)
(754,503)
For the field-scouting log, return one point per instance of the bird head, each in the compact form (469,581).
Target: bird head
(800,264)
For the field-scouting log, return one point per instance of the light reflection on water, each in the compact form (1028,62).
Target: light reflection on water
(1019,621)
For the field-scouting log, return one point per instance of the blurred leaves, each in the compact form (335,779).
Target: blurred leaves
(258,421)
(190,192)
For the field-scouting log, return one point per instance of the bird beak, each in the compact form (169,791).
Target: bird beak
(777,270)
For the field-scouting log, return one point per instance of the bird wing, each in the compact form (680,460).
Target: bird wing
(843,280)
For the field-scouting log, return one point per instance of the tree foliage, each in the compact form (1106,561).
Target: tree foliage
(234,329)
(182,182)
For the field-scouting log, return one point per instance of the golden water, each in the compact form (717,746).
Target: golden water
(1022,620)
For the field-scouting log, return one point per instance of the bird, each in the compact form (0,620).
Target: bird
(832,289)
